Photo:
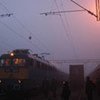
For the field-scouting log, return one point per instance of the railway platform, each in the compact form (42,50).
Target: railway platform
(49,97)
(58,96)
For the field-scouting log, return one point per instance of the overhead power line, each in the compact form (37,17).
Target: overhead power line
(31,35)
(97,15)
(76,61)
(64,23)
(61,18)
(6,15)
(90,12)
(70,34)
(20,35)
(23,26)
(57,12)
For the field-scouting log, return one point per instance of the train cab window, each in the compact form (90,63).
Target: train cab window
(14,62)
(8,62)
(19,62)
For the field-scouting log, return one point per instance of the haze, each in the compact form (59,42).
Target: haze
(65,36)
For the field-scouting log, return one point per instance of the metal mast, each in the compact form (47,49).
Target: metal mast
(98,9)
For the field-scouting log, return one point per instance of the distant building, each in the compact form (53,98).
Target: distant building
(77,82)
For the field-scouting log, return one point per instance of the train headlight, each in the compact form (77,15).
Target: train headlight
(0,81)
(11,54)
(19,81)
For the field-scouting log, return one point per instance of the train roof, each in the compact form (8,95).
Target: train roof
(5,56)
(25,54)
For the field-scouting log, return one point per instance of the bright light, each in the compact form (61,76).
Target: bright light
(11,54)
(19,81)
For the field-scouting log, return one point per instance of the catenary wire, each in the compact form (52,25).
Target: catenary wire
(63,24)
(22,26)
(21,36)
(68,35)
(14,17)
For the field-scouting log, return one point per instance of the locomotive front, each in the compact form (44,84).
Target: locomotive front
(23,72)
(14,71)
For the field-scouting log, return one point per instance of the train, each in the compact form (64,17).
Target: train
(21,70)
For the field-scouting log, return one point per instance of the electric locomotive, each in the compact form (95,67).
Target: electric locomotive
(21,70)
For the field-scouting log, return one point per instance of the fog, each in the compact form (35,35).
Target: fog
(65,36)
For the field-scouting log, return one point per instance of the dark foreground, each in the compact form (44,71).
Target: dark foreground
(50,96)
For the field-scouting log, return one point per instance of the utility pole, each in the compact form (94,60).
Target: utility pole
(97,2)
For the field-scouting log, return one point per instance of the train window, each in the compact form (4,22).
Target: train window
(9,62)
(16,61)
(19,62)
(6,62)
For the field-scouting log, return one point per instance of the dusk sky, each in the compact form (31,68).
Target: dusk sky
(65,36)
